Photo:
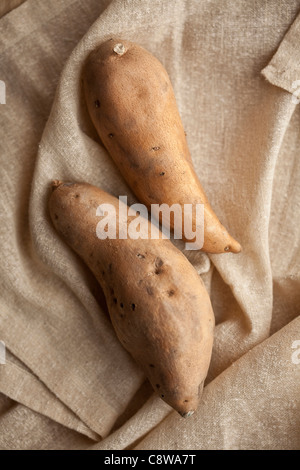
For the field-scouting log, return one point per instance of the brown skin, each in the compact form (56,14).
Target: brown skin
(132,105)
(158,305)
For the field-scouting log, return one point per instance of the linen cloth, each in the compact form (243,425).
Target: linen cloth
(8,5)
(67,382)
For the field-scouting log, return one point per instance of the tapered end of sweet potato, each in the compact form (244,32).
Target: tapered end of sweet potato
(186,407)
(233,247)
(217,239)
(55,184)
(188,414)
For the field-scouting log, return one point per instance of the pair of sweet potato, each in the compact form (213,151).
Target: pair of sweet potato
(159,307)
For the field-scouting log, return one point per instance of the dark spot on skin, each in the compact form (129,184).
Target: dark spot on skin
(134,165)
(140,256)
(155,148)
(188,414)
(103,273)
(130,123)
(110,135)
(133,307)
(97,104)
(186,401)
(91,254)
(185,133)
(162,173)
(121,315)
(76,196)
(55,216)
(227,248)
(151,365)
(115,300)
(121,305)
(158,265)
(143,93)
(149,290)
(157,386)
(171,293)
(162,396)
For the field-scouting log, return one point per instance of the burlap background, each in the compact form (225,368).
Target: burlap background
(67,382)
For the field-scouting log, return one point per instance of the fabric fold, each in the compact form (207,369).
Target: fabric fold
(235,402)
(20,385)
(284,68)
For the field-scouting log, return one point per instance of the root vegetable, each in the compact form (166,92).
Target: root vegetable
(159,307)
(132,105)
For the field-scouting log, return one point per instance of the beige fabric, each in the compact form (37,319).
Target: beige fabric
(22,428)
(233,403)
(7,5)
(18,383)
(65,366)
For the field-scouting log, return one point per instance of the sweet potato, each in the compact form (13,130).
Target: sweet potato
(158,305)
(131,102)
